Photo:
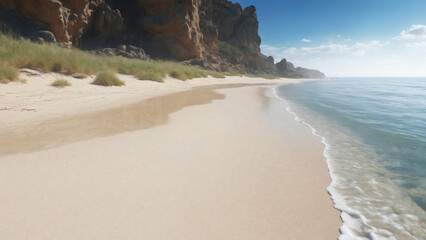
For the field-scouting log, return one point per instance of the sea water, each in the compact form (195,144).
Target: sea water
(374,132)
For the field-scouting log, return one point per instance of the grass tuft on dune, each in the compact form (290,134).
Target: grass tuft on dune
(60,83)
(7,73)
(108,79)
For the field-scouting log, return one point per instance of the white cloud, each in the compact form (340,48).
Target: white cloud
(369,44)
(416,32)
(358,49)
(361,49)
(327,48)
(339,36)
(306,40)
(416,44)
(361,58)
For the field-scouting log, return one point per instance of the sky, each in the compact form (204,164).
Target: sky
(346,37)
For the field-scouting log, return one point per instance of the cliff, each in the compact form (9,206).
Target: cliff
(214,34)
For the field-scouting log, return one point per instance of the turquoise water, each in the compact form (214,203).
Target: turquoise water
(374,130)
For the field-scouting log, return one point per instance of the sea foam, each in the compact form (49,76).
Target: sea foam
(366,211)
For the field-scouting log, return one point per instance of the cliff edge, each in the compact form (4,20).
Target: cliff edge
(213,34)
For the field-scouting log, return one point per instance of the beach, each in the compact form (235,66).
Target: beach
(201,159)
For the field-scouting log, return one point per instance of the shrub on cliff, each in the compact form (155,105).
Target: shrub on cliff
(108,79)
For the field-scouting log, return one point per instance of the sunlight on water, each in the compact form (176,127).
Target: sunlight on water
(375,133)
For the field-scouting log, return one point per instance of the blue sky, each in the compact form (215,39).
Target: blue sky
(346,37)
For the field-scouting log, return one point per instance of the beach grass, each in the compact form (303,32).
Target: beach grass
(60,83)
(108,79)
(263,75)
(21,53)
(7,73)
(241,73)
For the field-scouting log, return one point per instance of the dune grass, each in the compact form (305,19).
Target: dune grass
(7,73)
(108,79)
(241,73)
(263,75)
(20,53)
(60,83)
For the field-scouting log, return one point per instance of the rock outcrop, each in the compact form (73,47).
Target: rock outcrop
(287,69)
(127,51)
(173,27)
(105,28)
(214,34)
(310,73)
(66,19)
(211,62)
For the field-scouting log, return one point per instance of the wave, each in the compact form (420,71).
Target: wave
(346,194)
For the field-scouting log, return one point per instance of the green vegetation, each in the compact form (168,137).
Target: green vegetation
(241,73)
(184,73)
(60,83)
(20,53)
(108,79)
(228,50)
(263,75)
(7,73)
(231,50)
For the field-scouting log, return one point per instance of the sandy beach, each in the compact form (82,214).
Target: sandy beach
(202,159)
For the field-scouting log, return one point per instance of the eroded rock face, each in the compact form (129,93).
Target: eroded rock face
(232,32)
(173,26)
(11,22)
(127,51)
(246,31)
(48,13)
(166,27)
(236,26)
(66,19)
(214,34)
(211,62)
(105,28)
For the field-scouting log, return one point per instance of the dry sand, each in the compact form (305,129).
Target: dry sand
(125,163)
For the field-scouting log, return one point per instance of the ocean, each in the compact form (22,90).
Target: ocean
(374,132)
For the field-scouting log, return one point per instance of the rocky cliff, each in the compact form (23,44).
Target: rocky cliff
(214,34)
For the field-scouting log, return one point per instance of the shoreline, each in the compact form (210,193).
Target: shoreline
(37,100)
(352,147)
(214,152)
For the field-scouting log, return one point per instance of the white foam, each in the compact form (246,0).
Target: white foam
(355,225)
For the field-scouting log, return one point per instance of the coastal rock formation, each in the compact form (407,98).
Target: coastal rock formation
(236,25)
(214,34)
(284,68)
(246,32)
(128,51)
(48,13)
(173,26)
(310,73)
(287,69)
(66,19)
(211,62)
(105,28)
